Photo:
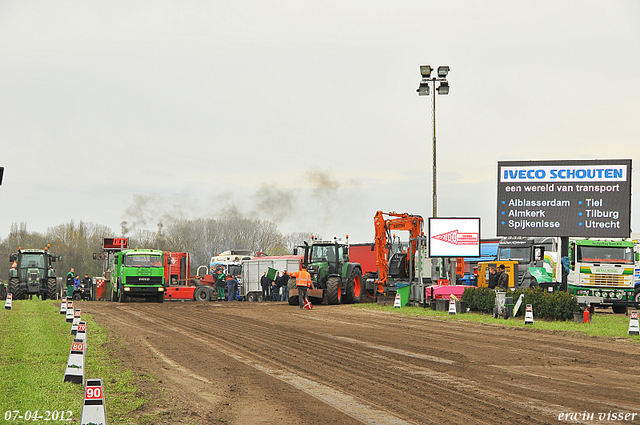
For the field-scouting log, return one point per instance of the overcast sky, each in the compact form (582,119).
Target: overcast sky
(301,112)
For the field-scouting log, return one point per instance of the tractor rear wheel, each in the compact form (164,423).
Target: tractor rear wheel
(293,299)
(3,292)
(52,288)
(334,295)
(14,288)
(201,294)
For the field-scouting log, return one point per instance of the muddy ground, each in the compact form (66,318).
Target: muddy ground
(270,363)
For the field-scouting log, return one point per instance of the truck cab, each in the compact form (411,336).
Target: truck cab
(138,273)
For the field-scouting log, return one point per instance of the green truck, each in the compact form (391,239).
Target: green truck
(138,273)
(602,272)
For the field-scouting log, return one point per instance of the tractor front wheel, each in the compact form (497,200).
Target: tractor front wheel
(52,288)
(334,295)
(14,288)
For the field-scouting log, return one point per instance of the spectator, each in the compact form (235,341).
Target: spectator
(265,282)
(284,286)
(70,283)
(275,288)
(503,277)
(232,285)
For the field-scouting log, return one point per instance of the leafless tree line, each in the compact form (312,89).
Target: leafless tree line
(202,238)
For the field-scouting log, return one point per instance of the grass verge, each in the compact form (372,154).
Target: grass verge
(34,347)
(603,325)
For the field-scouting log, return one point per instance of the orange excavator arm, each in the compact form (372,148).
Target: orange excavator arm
(382,243)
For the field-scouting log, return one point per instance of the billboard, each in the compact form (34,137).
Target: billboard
(573,198)
(454,237)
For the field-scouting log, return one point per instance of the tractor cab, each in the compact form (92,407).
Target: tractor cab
(325,258)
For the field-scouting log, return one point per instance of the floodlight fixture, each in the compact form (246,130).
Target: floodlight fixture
(423,90)
(443,88)
(443,71)
(425,71)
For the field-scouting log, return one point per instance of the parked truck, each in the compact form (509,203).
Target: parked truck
(138,273)
(32,273)
(602,271)
(529,262)
(253,270)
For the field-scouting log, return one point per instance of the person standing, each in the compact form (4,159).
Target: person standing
(70,283)
(265,283)
(493,277)
(503,277)
(88,286)
(303,282)
(231,287)
(220,284)
(284,286)
(275,288)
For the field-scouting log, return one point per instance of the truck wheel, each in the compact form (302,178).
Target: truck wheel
(636,297)
(121,296)
(334,296)
(160,297)
(251,297)
(52,288)
(201,294)
(293,299)
(619,309)
(14,288)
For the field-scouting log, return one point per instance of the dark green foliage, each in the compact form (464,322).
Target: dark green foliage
(546,305)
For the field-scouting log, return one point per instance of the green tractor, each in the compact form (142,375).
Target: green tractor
(332,274)
(32,273)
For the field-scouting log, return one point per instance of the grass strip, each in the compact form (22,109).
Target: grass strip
(602,324)
(34,348)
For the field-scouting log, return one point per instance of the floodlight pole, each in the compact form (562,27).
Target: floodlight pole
(425,71)
(435,168)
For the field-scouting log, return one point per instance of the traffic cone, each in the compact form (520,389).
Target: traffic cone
(634,328)
(528,315)
(93,411)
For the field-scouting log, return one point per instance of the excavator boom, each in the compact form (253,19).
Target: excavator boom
(383,238)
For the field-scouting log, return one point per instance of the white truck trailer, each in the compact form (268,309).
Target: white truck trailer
(252,271)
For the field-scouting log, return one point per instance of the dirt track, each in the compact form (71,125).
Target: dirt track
(246,363)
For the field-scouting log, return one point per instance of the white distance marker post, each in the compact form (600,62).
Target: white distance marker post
(63,306)
(75,365)
(397,302)
(8,302)
(452,306)
(69,314)
(634,327)
(93,407)
(81,334)
(528,315)
(77,316)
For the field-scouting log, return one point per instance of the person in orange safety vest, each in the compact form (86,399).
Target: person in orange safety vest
(303,281)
